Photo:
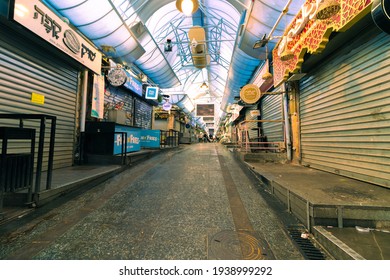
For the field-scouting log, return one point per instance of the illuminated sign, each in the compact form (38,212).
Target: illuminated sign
(151,93)
(306,33)
(36,17)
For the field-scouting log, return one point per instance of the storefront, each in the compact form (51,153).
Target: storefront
(41,62)
(344,104)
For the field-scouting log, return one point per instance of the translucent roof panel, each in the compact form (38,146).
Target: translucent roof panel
(138,31)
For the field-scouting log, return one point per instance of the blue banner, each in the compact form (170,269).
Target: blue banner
(133,143)
(133,84)
(150,138)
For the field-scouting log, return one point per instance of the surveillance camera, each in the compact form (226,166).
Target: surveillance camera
(194,43)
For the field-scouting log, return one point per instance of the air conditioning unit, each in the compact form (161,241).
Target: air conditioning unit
(198,47)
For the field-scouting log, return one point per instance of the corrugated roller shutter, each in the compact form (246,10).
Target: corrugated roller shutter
(345,114)
(26,68)
(143,115)
(272,109)
(253,128)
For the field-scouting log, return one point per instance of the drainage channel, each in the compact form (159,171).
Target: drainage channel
(306,246)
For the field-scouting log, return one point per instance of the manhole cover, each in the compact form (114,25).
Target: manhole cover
(237,245)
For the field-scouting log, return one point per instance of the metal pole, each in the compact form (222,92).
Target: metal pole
(287,126)
(84,101)
(40,155)
(51,152)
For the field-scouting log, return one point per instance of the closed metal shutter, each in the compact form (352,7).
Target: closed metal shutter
(143,115)
(253,128)
(272,109)
(345,113)
(25,68)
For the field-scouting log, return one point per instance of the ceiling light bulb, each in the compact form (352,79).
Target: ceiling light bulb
(187,6)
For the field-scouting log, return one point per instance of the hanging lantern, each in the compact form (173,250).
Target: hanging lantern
(187,7)
(327,9)
(267,75)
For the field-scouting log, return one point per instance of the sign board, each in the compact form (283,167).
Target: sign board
(308,34)
(39,19)
(150,138)
(98,97)
(37,98)
(151,93)
(133,143)
(205,110)
(133,84)
(250,94)
(167,106)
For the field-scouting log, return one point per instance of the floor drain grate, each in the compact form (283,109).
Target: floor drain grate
(309,251)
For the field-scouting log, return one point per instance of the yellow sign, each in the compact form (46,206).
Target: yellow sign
(37,98)
(250,94)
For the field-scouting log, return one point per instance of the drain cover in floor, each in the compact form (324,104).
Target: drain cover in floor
(237,245)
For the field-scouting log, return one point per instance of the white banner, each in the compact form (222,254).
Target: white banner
(98,97)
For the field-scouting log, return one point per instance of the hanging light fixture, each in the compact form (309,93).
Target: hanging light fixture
(204,86)
(327,9)
(267,75)
(187,7)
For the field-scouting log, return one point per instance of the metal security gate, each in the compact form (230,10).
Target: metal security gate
(272,110)
(28,68)
(345,113)
(252,127)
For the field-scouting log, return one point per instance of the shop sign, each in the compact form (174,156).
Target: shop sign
(35,16)
(167,106)
(151,93)
(250,94)
(133,84)
(133,140)
(150,138)
(306,33)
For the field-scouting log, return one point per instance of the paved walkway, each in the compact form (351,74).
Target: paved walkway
(193,203)
(349,217)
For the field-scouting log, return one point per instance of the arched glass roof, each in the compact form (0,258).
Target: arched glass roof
(135,33)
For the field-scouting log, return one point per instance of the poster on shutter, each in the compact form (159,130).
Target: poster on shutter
(98,97)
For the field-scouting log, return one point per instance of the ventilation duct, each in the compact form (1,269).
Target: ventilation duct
(153,63)
(263,21)
(241,71)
